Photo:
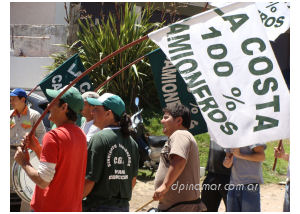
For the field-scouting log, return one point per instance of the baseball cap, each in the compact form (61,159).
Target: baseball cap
(111,101)
(71,96)
(90,94)
(18,92)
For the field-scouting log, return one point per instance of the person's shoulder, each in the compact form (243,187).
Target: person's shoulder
(182,136)
(133,142)
(68,127)
(102,134)
(183,133)
(106,132)
(33,112)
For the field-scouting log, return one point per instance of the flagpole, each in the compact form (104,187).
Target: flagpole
(82,75)
(275,161)
(30,92)
(205,7)
(120,71)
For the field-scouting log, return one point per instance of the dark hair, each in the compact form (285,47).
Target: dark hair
(125,122)
(71,115)
(20,97)
(179,110)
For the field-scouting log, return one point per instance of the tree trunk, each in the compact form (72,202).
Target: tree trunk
(74,15)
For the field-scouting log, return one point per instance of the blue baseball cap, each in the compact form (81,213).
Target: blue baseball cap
(18,92)
(111,101)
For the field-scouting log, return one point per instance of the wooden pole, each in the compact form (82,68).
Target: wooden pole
(149,202)
(120,71)
(275,161)
(205,7)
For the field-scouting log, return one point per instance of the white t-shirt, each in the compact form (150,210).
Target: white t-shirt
(89,129)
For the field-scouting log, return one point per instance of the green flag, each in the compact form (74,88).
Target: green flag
(171,89)
(65,74)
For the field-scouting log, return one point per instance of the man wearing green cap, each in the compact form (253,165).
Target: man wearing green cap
(113,158)
(60,175)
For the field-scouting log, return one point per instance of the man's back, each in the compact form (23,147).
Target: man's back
(66,147)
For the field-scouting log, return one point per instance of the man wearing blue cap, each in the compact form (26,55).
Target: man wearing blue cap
(22,120)
(113,158)
(60,176)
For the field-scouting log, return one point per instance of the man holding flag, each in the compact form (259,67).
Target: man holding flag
(246,177)
(60,176)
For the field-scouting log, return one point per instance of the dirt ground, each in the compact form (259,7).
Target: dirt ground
(272,196)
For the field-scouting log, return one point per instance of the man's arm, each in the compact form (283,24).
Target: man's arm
(88,187)
(177,165)
(30,171)
(257,156)
(133,182)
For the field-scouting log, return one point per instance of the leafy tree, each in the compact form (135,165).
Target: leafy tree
(95,41)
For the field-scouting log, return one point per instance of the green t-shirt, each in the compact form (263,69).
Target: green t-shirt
(112,163)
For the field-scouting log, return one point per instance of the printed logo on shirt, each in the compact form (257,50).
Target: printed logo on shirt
(114,161)
(26,124)
(12,124)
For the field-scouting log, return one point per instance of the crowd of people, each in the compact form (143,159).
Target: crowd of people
(94,167)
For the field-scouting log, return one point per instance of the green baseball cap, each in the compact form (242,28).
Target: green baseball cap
(71,96)
(111,101)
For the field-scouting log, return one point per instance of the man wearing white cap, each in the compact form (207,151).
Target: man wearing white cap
(113,158)
(88,126)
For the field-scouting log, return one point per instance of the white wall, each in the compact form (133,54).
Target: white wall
(27,72)
(37,13)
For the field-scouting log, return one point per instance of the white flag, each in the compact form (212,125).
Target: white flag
(225,57)
(275,17)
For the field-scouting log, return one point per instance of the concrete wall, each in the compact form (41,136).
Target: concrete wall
(34,29)
(37,13)
(27,72)
(37,40)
